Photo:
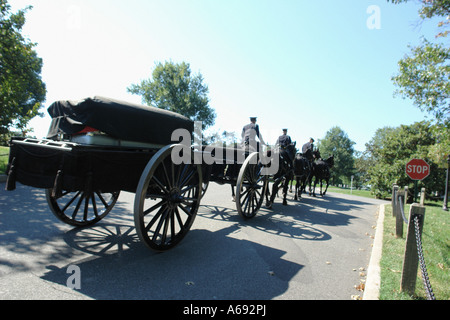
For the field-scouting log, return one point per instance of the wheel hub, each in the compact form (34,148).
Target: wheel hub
(174,198)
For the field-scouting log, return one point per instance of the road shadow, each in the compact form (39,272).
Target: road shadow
(206,265)
(329,210)
(268,221)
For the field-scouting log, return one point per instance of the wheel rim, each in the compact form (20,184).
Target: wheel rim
(251,187)
(167,201)
(81,208)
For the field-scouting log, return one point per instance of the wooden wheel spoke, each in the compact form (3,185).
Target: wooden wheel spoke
(186,180)
(70,202)
(162,219)
(156,206)
(94,205)
(75,211)
(166,176)
(180,221)
(87,198)
(154,219)
(160,185)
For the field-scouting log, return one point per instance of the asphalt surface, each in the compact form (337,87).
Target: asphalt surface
(315,248)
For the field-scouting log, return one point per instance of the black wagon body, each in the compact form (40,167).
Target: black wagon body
(98,147)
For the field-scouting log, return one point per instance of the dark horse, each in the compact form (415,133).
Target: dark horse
(321,171)
(302,172)
(284,174)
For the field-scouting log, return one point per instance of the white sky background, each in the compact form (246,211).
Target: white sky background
(297,64)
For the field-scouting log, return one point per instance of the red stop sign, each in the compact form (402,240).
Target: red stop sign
(417,169)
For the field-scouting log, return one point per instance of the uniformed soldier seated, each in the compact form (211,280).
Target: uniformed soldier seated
(249,134)
(283,142)
(307,151)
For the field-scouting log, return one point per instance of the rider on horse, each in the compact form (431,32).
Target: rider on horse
(307,151)
(249,133)
(283,142)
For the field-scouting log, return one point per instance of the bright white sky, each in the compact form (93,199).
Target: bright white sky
(300,64)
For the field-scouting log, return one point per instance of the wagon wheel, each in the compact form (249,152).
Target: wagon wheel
(204,188)
(81,208)
(167,200)
(251,187)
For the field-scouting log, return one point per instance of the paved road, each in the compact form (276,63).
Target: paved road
(311,249)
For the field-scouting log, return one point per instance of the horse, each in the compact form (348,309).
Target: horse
(284,174)
(321,171)
(302,172)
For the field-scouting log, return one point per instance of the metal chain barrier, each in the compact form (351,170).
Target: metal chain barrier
(401,200)
(423,267)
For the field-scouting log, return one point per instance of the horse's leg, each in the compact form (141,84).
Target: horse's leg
(314,187)
(304,184)
(296,188)
(285,187)
(274,193)
(310,177)
(267,196)
(233,194)
(321,182)
(326,188)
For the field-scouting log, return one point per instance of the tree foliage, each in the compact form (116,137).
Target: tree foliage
(338,144)
(424,73)
(173,87)
(21,88)
(390,149)
(424,77)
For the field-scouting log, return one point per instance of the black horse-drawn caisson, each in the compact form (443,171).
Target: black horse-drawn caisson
(98,147)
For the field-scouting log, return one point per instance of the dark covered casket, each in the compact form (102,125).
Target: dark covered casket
(118,119)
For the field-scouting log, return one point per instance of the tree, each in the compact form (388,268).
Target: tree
(389,151)
(424,73)
(424,77)
(174,88)
(338,144)
(21,88)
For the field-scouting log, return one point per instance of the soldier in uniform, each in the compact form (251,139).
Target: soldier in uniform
(283,141)
(249,134)
(307,151)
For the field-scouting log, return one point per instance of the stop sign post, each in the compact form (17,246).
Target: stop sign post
(417,169)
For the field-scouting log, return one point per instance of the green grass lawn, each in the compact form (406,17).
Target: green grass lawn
(436,247)
(360,193)
(4,153)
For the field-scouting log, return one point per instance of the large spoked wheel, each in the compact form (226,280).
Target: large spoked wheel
(80,208)
(251,187)
(167,200)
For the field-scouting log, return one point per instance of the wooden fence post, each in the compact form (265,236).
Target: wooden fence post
(411,259)
(422,196)
(394,198)
(398,214)
(406,196)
